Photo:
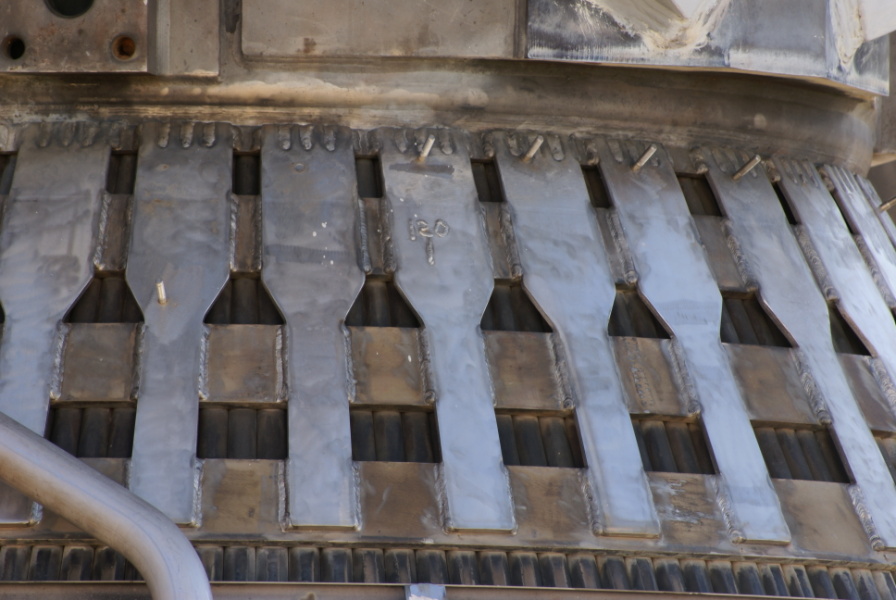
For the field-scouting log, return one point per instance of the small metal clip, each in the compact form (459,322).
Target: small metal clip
(160,293)
(648,154)
(533,148)
(427,147)
(747,167)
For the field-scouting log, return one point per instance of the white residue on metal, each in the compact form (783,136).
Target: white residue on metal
(659,25)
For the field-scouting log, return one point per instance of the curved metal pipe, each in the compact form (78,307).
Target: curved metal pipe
(101,507)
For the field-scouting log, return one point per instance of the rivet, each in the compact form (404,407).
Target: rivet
(160,293)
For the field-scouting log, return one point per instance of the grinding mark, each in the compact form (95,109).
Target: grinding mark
(849,34)
(668,489)
(815,264)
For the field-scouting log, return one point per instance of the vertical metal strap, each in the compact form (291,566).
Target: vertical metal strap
(46,248)
(869,226)
(675,278)
(567,273)
(309,208)
(180,240)
(445,273)
(861,303)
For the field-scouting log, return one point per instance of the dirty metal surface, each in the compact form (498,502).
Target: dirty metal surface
(454,28)
(770,382)
(789,291)
(48,240)
(90,43)
(576,294)
(180,239)
(751,35)
(675,279)
(446,275)
(647,376)
(387,367)
(310,266)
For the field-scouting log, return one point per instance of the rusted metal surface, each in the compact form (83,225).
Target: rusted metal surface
(93,42)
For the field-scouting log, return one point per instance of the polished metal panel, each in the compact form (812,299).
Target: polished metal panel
(180,227)
(444,271)
(862,305)
(676,280)
(104,509)
(863,217)
(567,273)
(788,290)
(310,266)
(46,246)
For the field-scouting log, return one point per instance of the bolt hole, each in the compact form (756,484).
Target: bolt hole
(124,47)
(14,46)
(69,8)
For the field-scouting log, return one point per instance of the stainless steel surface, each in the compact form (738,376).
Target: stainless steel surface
(181,226)
(310,266)
(89,43)
(799,39)
(860,301)
(566,271)
(674,278)
(48,241)
(788,289)
(445,273)
(105,509)
(287,30)
(863,218)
